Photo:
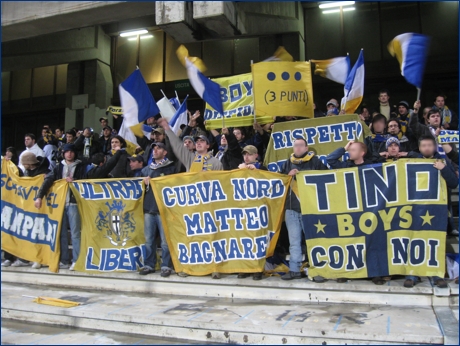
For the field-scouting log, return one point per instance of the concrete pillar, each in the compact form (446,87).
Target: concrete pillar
(176,19)
(219,18)
(92,78)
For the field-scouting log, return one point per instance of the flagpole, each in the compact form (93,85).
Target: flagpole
(252,62)
(163,93)
(177,96)
(419,91)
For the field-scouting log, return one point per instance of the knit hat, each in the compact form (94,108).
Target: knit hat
(404,104)
(29,158)
(392,140)
(188,137)
(69,147)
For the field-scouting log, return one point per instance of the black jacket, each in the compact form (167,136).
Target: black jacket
(150,204)
(121,168)
(56,174)
(105,145)
(314,163)
(43,168)
(448,172)
(80,147)
(233,156)
(99,172)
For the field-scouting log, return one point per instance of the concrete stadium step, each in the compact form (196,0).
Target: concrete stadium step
(353,291)
(239,321)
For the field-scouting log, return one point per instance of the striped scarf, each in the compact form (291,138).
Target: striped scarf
(199,163)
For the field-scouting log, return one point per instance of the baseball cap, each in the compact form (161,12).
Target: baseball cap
(392,140)
(250,149)
(332,102)
(188,137)
(203,137)
(29,158)
(159,130)
(107,127)
(137,158)
(103,118)
(158,144)
(69,147)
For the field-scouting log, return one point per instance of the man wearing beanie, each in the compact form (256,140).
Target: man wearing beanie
(403,116)
(70,169)
(393,151)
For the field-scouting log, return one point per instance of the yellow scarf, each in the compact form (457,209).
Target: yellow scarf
(299,160)
(200,164)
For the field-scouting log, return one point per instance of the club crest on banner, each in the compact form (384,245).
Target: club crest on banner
(117,224)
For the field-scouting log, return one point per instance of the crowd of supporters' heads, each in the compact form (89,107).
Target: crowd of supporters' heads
(434,118)
(379,123)
(427,146)
(70,136)
(29,140)
(384,96)
(117,142)
(394,127)
(357,151)
(300,147)
(440,101)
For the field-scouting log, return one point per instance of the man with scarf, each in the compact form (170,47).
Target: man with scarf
(376,142)
(403,116)
(449,120)
(87,145)
(427,149)
(199,161)
(393,151)
(250,155)
(160,166)
(69,169)
(300,160)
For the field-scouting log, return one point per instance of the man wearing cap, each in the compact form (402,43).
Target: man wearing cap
(136,163)
(300,160)
(87,145)
(31,146)
(189,143)
(332,107)
(104,122)
(69,169)
(403,116)
(104,140)
(160,166)
(158,136)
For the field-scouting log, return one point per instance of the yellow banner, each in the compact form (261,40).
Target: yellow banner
(238,102)
(221,221)
(112,236)
(323,136)
(283,89)
(378,220)
(29,233)
(448,136)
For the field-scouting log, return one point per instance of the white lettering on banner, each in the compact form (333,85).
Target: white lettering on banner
(122,189)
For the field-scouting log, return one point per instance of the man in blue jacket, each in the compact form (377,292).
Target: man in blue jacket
(427,147)
(159,167)
(300,160)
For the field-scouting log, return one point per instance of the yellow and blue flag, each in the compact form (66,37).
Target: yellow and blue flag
(335,69)
(354,86)
(411,50)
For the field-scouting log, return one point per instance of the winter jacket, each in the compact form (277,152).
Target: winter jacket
(98,172)
(43,168)
(80,147)
(232,156)
(314,163)
(122,165)
(187,157)
(333,160)
(56,174)
(448,172)
(168,168)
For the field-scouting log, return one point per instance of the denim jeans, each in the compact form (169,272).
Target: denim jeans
(71,218)
(152,225)
(295,228)
(415,278)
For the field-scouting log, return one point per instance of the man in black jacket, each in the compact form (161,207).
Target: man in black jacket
(356,151)
(69,169)
(104,140)
(300,160)
(160,166)
(87,145)
(100,167)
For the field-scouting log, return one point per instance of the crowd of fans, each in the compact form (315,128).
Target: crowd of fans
(397,132)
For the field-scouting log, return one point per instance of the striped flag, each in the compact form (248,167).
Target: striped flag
(335,69)
(138,105)
(411,51)
(354,86)
(180,118)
